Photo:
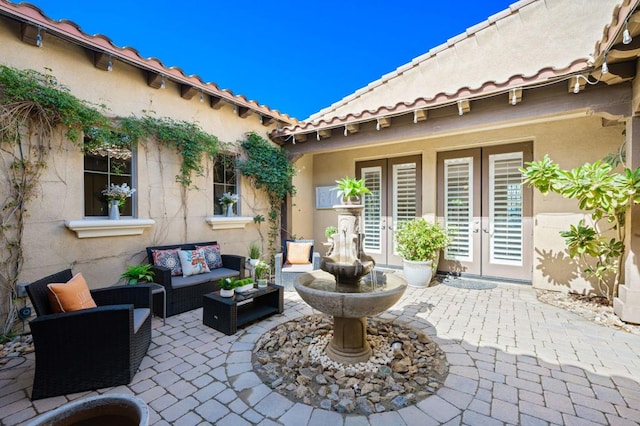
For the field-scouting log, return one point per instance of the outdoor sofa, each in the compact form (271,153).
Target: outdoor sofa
(184,293)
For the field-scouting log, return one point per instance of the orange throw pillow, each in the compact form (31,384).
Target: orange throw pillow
(70,296)
(298,253)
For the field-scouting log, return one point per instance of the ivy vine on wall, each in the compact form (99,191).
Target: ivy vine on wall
(32,106)
(270,170)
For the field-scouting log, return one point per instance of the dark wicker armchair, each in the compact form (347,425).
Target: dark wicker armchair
(91,348)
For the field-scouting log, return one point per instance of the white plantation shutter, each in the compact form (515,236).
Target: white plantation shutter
(404,197)
(372,209)
(458,215)
(505,216)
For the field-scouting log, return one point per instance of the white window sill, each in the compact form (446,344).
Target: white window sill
(93,228)
(228,222)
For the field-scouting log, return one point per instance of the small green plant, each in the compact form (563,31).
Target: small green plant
(351,189)
(420,241)
(262,270)
(228,283)
(329,231)
(254,250)
(138,273)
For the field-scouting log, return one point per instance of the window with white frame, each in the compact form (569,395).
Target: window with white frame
(103,166)
(225,180)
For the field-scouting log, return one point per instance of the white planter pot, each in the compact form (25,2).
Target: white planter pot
(262,283)
(226,293)
(253,262)
(418,274)
(245,288)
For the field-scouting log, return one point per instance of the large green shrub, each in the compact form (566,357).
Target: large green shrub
(420,241)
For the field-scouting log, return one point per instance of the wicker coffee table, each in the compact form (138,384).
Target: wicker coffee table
(226,314)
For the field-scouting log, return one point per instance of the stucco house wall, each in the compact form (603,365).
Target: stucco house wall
(48,245)
(569,142)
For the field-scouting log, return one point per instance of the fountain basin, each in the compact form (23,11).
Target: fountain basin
(320,290)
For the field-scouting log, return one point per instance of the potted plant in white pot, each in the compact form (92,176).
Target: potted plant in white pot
(351,190)
(227,287)
(262,271)
(254,253)
(419,243)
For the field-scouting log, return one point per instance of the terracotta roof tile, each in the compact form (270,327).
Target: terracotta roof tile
(370,97)
(544,75)
(72,32)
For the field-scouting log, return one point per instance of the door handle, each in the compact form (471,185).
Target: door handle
(476,226)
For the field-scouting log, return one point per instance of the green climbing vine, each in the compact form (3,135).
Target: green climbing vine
(187,139)
(32,106)
(270,170)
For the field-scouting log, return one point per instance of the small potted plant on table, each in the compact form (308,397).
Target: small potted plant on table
(227,287)
(262,271)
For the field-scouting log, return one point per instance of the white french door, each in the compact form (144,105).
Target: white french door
(395,185)
(488,211)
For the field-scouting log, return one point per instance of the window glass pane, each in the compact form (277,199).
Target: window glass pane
(224,180)
(103,167)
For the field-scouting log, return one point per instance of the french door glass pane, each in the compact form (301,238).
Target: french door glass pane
(404,195)
(373,209)
(458,213)
(505,216)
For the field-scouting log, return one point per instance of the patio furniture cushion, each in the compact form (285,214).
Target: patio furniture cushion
(140,315)
(71,296)
(298,253)
(192,262)
(212,255)
(169,259)
(304,267)
(215,275)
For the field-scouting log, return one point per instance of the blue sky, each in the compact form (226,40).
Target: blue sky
(294,56)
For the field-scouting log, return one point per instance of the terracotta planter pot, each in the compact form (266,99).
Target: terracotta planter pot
(115,409)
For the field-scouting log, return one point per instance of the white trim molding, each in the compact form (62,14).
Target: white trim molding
(94,228)
(228,222)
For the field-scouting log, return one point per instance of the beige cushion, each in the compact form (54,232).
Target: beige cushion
(298,253)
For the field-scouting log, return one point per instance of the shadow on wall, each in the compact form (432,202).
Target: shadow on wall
(560,269)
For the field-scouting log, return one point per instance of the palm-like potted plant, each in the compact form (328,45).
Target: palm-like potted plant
(138,273)
(351,190)
(419,243)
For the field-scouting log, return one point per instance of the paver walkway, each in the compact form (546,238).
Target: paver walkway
(513,360)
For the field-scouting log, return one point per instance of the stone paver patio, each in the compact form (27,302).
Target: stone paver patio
(513,360)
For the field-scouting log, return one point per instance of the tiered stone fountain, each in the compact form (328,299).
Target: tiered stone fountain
(339,289)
